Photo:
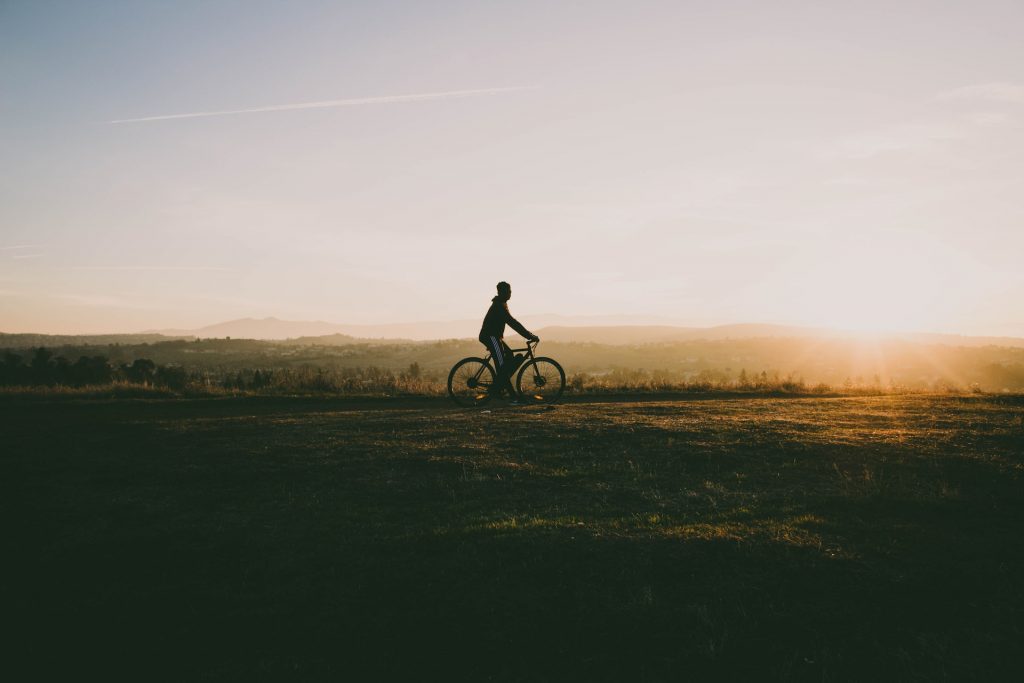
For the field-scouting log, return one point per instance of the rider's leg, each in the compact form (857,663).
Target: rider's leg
(502,356)
(498,356)
(507,370)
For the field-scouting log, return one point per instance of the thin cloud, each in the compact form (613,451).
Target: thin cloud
(893,138)
(170,268)
(387,99)
(21,246)
(98,300)
(996,92)
(923,133)
(24,256)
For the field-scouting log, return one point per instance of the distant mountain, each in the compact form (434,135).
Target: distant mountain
(653,334)
(656,334)
(962,340)
(264,328)
(586,329)
(29,340)
(327,340)
(275,328)
(323,333)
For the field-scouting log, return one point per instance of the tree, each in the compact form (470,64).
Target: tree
(12,369)
(171,376)
(41,358)
(141,371)
(42,366)
(98,370)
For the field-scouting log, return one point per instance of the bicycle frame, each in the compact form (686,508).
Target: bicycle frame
(472,380)
(530,346)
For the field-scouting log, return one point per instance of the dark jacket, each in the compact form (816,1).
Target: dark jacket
(496,319)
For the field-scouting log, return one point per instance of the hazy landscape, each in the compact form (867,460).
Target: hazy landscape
(765,259)
(608,358)
(720,503)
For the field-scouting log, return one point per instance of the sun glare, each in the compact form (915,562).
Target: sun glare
(874,290)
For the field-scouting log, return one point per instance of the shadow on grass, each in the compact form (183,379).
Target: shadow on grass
(525,605)
(642,546)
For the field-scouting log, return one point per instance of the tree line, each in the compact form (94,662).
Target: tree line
(39,367)
(43,368)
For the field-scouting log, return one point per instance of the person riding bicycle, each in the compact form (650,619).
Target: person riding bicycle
(492,333)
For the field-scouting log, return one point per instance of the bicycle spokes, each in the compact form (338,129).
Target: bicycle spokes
(470,382)
(542,380)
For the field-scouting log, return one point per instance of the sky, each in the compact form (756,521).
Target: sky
(176,164)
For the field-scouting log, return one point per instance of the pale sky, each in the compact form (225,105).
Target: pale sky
(853,164)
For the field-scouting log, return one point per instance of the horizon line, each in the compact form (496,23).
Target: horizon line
(172,332)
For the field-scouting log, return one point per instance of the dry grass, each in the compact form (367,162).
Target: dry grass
(740,538)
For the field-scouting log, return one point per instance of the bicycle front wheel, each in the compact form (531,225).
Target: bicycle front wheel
(470,382)
(541,380)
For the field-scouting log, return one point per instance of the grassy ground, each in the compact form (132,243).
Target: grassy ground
(730,538)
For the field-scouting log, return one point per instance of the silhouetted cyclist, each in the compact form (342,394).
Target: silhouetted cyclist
(491,336)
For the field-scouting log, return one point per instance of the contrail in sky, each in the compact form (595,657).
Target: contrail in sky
(386,99)
(211,268)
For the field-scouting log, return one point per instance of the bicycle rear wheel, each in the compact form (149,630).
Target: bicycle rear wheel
(541,380)
(470,382)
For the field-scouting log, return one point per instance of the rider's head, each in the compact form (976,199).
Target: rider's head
(504,291)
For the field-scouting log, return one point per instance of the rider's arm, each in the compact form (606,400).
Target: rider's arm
(518,326)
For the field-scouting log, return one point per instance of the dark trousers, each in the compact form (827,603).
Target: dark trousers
(504,360)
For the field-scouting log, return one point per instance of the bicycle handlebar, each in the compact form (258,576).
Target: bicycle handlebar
(529,343)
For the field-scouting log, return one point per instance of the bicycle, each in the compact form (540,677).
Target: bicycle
(540,379)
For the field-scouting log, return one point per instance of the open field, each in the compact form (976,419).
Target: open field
(729,537)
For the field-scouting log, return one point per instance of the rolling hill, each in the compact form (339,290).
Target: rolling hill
(567,329)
